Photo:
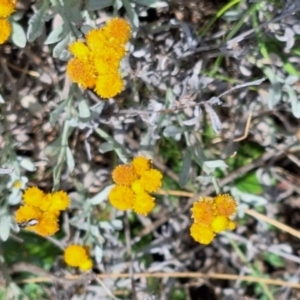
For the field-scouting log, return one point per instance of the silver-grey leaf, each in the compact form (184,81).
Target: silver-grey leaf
(36,22)
(215,121)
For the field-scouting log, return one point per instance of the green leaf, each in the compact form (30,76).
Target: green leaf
(56,35)
(273,259)
(152,3)
(172,131)
(4,227)
(101,196)
(54,116)
(133,17)
(70,160)
(184,174)
(210,166)
(71,11)
(295,103)
(275,94)
(59,51)
(18,36)
(36,22)
(106,147)
(27,164)
(249,183)
(84,111)
(98,4)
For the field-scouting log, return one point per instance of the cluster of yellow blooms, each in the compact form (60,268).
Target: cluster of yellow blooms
(40,211)
(134,182)
(211,216)
(78,256)
(96,63)
(7,7)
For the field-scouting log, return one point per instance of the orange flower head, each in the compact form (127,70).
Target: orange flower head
(47,225)
(151,180)
(141,164)
(106,65)
(109,85)
(124,174)
(225,205)
(220,223)
(80,50)
(143,203)
(118,30)
(26,213)
(81,72)
(76,255)
(7,7)
(60,201)
(203,212)
(33,196)
(202,234)
(121,197)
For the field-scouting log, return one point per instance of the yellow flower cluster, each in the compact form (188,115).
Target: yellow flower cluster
(211,216)
(40,211)
(96,62)
(78,256)
(134,182)
(7,7)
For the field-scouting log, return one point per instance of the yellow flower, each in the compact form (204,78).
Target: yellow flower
(202,211)
(26,213)
(220,223)
(141,164)
(109,85)
(47,225)
(225,205)
(100,44)
(80,50)
(118,30)
(86,265)
(46,202)
(7,7)
(137,187)
(77,256)
(33,196)
(151,180)
(124,174)
(231,225)
(121,197)
(95,39)
(104,65)
(112,51)
(202,234)
(59,201)
(81,72)
(143,203)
